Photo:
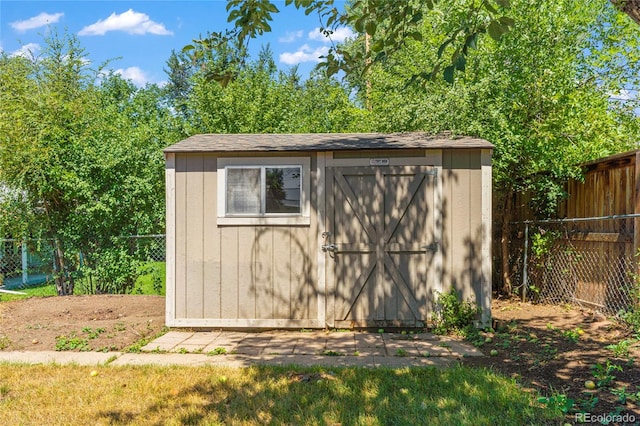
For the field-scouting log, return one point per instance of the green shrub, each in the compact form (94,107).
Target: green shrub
(454,315)
(112,271)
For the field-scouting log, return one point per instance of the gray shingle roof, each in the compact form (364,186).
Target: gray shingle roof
(322,142)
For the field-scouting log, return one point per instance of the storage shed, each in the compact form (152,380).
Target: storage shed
(325,230)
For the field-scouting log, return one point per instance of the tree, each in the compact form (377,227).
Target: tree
(44,119)
(179,72)
(261,99)
(387,24)
(82,160)
(541,94)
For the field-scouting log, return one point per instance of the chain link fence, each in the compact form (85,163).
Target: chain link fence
(30,262)
(589,262)
(25,262)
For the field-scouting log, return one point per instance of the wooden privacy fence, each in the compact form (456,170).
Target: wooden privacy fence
(588,262)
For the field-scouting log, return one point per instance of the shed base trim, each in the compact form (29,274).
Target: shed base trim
(244,323)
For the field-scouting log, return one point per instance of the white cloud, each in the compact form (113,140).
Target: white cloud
(135,74)
(339,35)
(291,36)
(130,22)
(38,21)
(27,51)
(303,54)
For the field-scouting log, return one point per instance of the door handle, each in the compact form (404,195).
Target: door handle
(330,247)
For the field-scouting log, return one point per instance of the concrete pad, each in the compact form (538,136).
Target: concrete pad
(175,337)
(183,347)
(310,347)
(426,336)
(202,338)
(394,347)
(279,349)
(432,348)
(463,349)
(228,338)
(248,350)
(167,341)
(61,358)
(193,360)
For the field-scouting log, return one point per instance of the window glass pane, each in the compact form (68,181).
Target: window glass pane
(283,189)
(243,191)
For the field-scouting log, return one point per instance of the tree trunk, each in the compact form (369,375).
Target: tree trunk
(64,281)
(504,242)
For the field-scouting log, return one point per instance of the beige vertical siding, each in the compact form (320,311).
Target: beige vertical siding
(267,275)
(212,281)
(253,274)
(462,223)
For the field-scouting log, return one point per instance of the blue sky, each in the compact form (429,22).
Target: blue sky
(138,36)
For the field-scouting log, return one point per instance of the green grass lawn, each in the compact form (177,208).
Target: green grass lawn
(40,290)
(263,395)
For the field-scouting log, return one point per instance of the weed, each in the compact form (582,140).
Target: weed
(549,351)
(505,344)
(620,349)
(106,349)
(476,338)
(111,359)
(558,402)
(4,342)
(604,373)
(4,390)
(624,396)
(120,326)
(217,351)
(93,334)
(331,353)
(71,343)
(401,352)
(452,314)
(573,335)
(137,347)
(588,405)
(183,351)
(381,330)
(35,326)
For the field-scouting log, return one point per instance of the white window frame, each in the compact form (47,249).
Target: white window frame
(302,218)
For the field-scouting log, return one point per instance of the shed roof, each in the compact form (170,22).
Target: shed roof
(322,142)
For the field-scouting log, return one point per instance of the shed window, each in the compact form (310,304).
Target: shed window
(264,190)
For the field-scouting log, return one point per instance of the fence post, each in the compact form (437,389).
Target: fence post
(636,209)
(525,262)
(25,263)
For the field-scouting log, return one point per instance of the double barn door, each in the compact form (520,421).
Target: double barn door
(382,244)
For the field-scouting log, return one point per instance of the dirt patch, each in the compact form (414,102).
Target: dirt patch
(555,350)
(81,323)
